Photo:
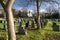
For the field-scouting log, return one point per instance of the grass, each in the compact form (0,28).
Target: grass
(37,34)
(1,25)
(3,36)
(49,26)
(32,35)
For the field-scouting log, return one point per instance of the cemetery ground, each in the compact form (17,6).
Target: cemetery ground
(46,33)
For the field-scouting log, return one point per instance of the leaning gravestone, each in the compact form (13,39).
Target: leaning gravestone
(5,25)
(21,29)
(19,20)
(58,20)
(42,23)
(55,27)
(45,22)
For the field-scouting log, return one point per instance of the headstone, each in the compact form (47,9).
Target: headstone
(54,20)
(27,24)
(33,24)
(55,27)
(42,23)
(58,20)
(45,22)
(5,25)
(22,30)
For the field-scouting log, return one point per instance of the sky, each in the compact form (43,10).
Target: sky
(19,4)
(32,6)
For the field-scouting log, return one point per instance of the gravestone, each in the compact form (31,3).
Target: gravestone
(21,30)
(42,22)
(58,20)
(45,22)
(55,27)
(0,21)
(53,20)
(27,24)
(33,24)
(5,25)
(19,20)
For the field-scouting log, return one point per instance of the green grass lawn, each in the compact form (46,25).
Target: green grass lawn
(38,34)
(1,25)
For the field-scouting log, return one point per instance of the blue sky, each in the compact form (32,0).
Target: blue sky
(19,4)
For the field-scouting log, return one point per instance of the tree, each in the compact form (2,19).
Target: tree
(38,14)
(7,6)
(55,15)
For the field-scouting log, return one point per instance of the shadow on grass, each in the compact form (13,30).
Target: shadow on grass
(19,34)
(2,30)
(51,30)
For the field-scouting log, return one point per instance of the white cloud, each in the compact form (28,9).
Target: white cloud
(43,10)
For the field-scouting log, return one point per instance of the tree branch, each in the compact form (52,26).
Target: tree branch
(3,3)
(10,3)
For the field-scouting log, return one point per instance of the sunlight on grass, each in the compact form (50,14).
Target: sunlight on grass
(1,25)
(49,26)
(37,34)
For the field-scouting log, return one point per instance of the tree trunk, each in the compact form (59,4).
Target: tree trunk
(38,16)
(10,20)
(10,24)
(9,17)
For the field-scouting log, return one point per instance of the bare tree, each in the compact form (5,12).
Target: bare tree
(38,5)
(7,6)
(38,16)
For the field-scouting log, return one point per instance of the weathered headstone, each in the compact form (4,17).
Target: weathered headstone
(0,21)
(58,20)
(19,20)
(42,23)
(21,29)
(33,24)
(27,24)
(5,25)
(55,27)
(45,22)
